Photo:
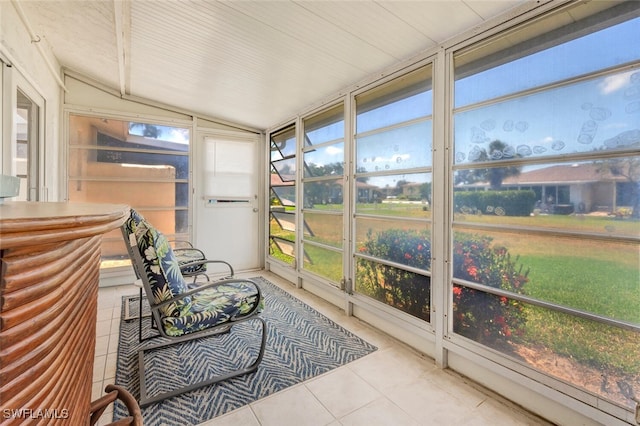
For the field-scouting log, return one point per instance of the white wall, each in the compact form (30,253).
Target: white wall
(25,57)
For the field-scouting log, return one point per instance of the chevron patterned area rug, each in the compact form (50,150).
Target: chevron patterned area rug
(301,344)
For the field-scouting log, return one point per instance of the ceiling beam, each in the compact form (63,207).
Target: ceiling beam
(122,15)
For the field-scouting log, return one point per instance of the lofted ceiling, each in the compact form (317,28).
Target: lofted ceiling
(255,63)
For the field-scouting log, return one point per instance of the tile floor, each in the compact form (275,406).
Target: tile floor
(392,386)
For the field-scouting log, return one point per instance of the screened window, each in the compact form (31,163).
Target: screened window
(393,159)
(143,165)
(323,192)
(545,248)
(282,200)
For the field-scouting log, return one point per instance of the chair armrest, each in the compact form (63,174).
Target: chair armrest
(114,392)
(204,262)
(179,249)
(183,242)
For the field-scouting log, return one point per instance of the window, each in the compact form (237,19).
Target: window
(323,194)
(393,144)
(282,196)
(143,165)
(545,250)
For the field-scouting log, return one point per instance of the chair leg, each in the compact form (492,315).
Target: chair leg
(140,317)
(145,400)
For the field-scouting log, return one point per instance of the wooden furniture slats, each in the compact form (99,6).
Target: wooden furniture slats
(50,263)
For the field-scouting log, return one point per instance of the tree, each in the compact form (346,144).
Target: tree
(629,169)
(148,130)
(497,150)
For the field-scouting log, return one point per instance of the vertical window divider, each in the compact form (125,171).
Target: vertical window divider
(299,197)
(440,306)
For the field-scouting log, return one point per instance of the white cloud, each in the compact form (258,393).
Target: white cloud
(614,83)
(334,150)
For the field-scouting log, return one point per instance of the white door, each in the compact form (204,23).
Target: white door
(227,204)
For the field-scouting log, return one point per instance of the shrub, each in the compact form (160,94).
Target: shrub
(481,316)
(407,291)
(500,203)
(478,315)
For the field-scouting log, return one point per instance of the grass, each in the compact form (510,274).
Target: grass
(606,348)
(597,276)
(584,223)
(600,286)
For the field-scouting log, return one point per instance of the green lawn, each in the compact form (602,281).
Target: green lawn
(601,286)
(589,274)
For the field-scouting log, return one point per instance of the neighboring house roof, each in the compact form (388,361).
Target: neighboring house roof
(565,174)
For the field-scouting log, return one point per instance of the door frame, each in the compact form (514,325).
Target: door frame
(12,81)
(198,179)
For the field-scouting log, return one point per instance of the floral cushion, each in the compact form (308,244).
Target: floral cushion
(184,255)
(198,311)
(187,255)
(213,306)
(162,268)
(132,222)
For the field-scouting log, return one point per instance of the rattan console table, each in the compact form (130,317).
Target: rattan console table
(50,259)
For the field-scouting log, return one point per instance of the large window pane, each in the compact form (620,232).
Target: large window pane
(407,291)
(393,193)
(602,113)
(571,271)
(324,160)
(406,98)
(323,192)
(323,262)
(396,149)
(599,50)
(143,165)
(598,357)
(324,127)
(406,195)
(597,196)
(325,228)
(324,195)
(545,254)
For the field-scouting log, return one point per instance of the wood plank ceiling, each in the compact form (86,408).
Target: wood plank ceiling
(255,63)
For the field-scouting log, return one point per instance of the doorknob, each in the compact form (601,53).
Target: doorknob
(255,210)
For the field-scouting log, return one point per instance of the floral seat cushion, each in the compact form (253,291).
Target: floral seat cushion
(198,311)
(213,306)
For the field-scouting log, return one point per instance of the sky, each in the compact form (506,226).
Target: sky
(599,112)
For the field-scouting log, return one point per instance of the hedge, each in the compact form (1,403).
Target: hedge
(500,203)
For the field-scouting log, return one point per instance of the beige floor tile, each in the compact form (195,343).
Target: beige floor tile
(392,386)
(342,391)
(240,417)
(391,367)
(427,403)
(295,406)
(102,345)
(103,328)
(98,368)
(381,412)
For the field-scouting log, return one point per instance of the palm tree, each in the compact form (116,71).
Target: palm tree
(497,150)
